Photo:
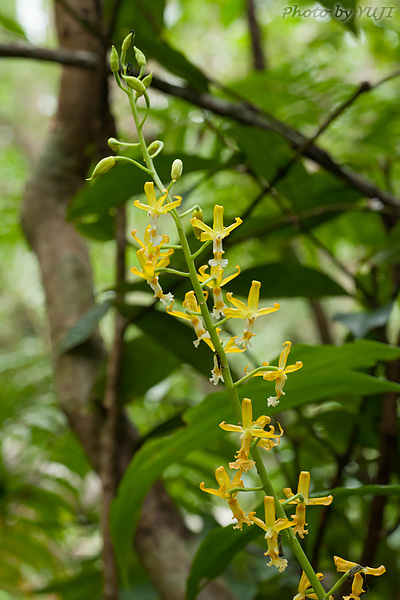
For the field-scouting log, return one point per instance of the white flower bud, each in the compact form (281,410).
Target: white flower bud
(176,169)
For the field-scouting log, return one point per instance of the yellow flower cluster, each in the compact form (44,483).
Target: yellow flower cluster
(255,432)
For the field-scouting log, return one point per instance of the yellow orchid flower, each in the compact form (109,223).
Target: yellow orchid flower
(358,580)
(216,234)
(148,245)
(215,285)
(155,208)
(225,485)
(251,429)
(147,272)
(249,313)
(272,528)
(304,585)
(190,303)
(303,488)
(280,375)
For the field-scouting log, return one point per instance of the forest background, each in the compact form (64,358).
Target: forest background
(290,123)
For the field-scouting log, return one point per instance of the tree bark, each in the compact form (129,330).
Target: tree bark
(162,538)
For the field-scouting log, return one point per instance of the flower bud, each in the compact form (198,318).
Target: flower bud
(102,167)
(197,214)
(114,144)
(126,44)
(154,146)
(114,60)
(147,80)
(176,169)
(140,57)
(135,84)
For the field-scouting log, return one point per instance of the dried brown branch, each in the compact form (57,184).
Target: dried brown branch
(62,56)
(250,115)
(259,61)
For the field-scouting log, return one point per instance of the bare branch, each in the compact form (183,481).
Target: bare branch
(254,117)
(74,58)
(259,61)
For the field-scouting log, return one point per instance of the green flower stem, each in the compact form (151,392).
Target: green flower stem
(172,271)
(200,250)
(289,500)
(288,533)
(134,162)
(246,489)
(146,114)
(221,322)
(337,585)
(249,375)
(229,384)
(173,246)
(189,211)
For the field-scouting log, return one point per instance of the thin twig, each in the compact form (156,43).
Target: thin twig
(259,61)
(302,149)
(253,116)
(75,58)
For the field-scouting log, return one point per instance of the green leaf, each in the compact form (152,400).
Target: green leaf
(144,363)
(83,328)
(176,337)
(124,181)
(361,323)
(288,280)
(12,25)
(214,555)
(337,11)
(318,380)
(101,229)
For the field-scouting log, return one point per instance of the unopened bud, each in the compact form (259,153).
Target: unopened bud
(126,44)
(147,80)
(154,146)
(197,214)
(114,60)
(140,57)
(114,144)
(135,84)
(176,169)
(102,167)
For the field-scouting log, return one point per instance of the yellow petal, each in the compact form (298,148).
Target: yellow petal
(326,500)
(343,565)
(378,571)
(254,296)
(210,490)
(284,354)
(266,311)
(247,413)
(218,224)
(295,367)
(269,507)
(227,427)
(304,484)
(150,194)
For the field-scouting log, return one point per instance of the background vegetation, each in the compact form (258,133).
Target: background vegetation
(271,121)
